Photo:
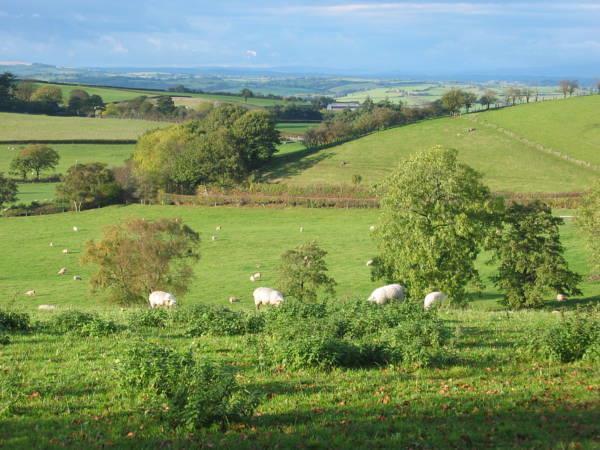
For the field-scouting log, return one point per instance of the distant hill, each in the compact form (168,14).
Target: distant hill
(523,156)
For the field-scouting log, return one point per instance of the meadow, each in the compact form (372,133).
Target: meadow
(507,163)
(19,127)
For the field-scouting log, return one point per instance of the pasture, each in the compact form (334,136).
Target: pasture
(226,263)
(507,163)
(20,127)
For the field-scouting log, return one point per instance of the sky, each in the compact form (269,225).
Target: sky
(406,37)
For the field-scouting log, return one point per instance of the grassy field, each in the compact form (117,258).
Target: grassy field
(226,264)
(40,127)
(295,128)
(507,163)
(571,126)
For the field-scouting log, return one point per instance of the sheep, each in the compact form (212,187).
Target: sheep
(233,299)
(257,275)
(65,251)
(384,294)
(252,278)
(372,228)
(218,228)
(46,307)
(432,298)
(76,278)
(267,296)
(30,293)
(75,229)
(301,229)
(51,244)
(561,298)
(369,262)
(213,237)
(161,298)
(62,271)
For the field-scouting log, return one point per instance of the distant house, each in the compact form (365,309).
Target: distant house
(341,106)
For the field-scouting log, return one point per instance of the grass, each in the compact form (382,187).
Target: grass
(570,126)
(30,263)
(295,128)
(38,192)
(507,163)
(39,127)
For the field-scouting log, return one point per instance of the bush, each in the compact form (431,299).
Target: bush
(4,340)
(202,320)
(198,394)
(575,337)
(149,318)
(14,321)
(81,323)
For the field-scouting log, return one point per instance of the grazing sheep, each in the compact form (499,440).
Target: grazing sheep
(369,262)
(267,296)
(161,298)
(62,271)
(384,294)
(561,298)
(218,228)
(301,229)
(51,244)
(434,297)
(213,237)
(75,229)
(65,251)
(233,299)
(252,278)
(46,307)
(372,228)
(257,275)
(76,278)
(30,293)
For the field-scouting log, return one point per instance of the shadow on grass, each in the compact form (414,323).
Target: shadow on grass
(293,163)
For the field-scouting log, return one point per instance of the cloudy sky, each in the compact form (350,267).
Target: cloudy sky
(424,37)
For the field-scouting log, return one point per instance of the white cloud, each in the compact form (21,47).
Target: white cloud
(251,53)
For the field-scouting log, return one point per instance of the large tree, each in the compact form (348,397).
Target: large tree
(530,256)
(246,93)
(435,215)
(453,100)
(257,134)
(49,95)
(141,256)
(35,158)
(588,220)
(91,184)
(7,84)
(564,87)
(8,190)
(488,98)
(24,90)
(469,100)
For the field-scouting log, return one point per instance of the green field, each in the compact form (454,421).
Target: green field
(39,127)
(226,264)
(507,163)
(296,128)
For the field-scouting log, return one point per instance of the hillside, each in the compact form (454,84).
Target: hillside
(507,162)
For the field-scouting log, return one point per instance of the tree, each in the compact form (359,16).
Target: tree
(573,86)
(50,95)
(8,190)
(453,100)
(512,95)
(530,256)
(488,98)
(468,100)
(78,101)
(19,166)
(588,220)
(246,93)
(598,86)
(7,84)
(35,158)
(303,272)
(91,184)
(256,132)
(141,256)
(564,87)
(165,105)
(435,215)
(24,90)
(527,93)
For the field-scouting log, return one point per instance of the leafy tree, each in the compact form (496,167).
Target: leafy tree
(303,272)
(165,105)
(7,84)
(367,104)
(564,87)
(140,256)
(8,190)
(588,220)
(573,86)
(51,95)
(512,95)
(256,132)
(91,184)
(488,98)
(469,100)
(246,93)
(453,100)
(527,93)
(35,158)
(530,256)
(435,215)
(24,90)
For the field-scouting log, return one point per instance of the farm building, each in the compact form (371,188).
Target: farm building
(341,106)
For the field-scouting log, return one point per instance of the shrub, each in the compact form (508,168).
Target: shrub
(149,318)
(204,320)
(573,338)
(81,323)
(4,340)
(14,321)
(198,394)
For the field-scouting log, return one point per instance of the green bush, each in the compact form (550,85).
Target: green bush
(573,338)
(14,321)
(204,320)
(4,339)
(197,394)
(149,318)
(81,323)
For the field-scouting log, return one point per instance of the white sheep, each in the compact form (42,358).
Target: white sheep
(267,296)
(65,251)
(218,228)
(51,244)
(213,237)
(301,229)
(257,275)
(233,299)
(561,298)
(75,229)
(46,307)
(384,294)
(433,298)
(372,228)
(62,271)
(369,262)
(30,293)
(161,298)
(252,278)
(76,278)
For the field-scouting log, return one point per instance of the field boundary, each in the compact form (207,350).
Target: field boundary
(68,141)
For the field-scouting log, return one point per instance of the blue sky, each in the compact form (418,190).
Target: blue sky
(418,37)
